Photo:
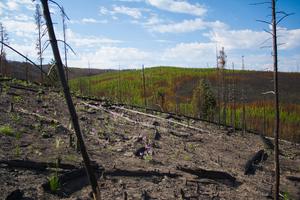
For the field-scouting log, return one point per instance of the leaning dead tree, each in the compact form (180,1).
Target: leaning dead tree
(73,114)
(22,55)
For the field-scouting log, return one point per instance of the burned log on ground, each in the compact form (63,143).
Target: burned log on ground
(139,173)
(293,178)
(33,165)
(218,176)
(75,180)
(251,164)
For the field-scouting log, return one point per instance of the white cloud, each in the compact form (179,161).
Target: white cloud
(20,28)
(111,57)
(88,41)
(289,38)
(88,21)
(103,10)
(178,6)
(186,26)
(249,39)
(190,54)
(14,5)
(238,39)
(153,20)
(1,8)
(181,27)
(132,12)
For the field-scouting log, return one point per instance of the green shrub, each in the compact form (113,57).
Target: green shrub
(54,183)
(6,130)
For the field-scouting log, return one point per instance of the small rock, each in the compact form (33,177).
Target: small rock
(128,154)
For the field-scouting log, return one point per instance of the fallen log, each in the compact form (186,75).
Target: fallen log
(33,165)
(163,119)
(139,173)
(293,178)
(115,114)
(21,87)
(252,163)
(75,180)
(218,176)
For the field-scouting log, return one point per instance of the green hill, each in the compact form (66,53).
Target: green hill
(171,89)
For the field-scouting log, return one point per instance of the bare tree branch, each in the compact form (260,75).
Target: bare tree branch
(68,46)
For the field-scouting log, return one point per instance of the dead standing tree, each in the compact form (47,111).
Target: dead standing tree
(276,101)
(221,67)
(64,17)
(53,41)
(4,39)
(274,22)
(39,26)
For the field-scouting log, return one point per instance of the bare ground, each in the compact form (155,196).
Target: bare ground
(113,134)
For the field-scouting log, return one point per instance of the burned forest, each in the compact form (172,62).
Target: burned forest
(142,124)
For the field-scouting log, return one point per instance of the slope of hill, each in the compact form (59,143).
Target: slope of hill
(190,159)
(171,89)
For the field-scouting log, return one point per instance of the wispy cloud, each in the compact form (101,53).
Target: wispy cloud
(185,26)
(124,10)
(88,21)
(89,41)
(14,5)
(178,6)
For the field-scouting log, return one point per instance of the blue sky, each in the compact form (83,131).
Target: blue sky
(185,33)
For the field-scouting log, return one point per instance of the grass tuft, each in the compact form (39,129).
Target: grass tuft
(6,130)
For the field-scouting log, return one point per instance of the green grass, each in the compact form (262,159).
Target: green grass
(54,182)
(129,87)
(6,130)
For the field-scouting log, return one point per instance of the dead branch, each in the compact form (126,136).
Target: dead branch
(219,176)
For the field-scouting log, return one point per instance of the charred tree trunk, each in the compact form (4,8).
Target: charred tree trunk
(86,159)
(276,101)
